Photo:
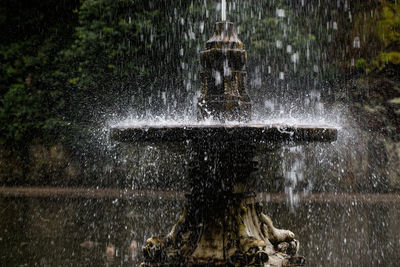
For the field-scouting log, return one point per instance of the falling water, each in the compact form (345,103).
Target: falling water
(223,10)
(281,91)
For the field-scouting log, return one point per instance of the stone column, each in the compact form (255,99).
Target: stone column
(222,224)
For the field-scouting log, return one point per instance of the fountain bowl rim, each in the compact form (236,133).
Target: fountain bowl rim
(252,133)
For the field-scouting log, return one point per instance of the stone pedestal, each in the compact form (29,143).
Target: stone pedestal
(222,224)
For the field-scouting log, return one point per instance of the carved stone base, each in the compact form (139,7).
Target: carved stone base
(227,230)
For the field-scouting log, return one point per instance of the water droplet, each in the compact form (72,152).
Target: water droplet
(280,13)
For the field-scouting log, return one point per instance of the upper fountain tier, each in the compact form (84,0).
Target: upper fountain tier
(224,96)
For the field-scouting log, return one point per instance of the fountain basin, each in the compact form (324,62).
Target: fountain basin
(249,133)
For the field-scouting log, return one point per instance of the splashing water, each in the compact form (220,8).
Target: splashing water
(281,95)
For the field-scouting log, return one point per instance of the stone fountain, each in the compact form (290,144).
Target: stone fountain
(222,224)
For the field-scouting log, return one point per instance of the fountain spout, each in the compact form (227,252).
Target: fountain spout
(224,96)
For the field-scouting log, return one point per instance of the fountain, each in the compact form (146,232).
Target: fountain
(222,224)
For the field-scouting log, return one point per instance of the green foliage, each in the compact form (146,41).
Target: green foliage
(73,60)
(387,58)
(22,112)
(361,64)
(29,98)
(389,24)
(383,35)
(112,52)
(388,29)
